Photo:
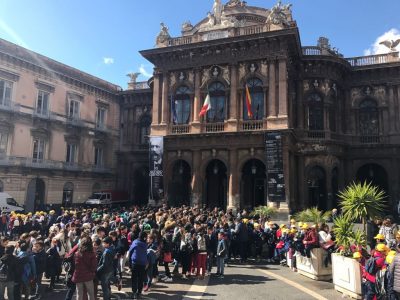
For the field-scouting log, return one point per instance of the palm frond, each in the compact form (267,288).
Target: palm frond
(264,211)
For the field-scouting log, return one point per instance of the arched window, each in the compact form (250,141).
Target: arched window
(315,112)
(217,112)
(68,192)
(257,100)
(144,129)
(369,118)
(181,106)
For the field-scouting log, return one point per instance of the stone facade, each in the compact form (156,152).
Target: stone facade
(59,130)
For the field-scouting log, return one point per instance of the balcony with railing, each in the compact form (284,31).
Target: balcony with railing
(180,129)
(316,134)
(373,59)
(9,106)
(370,139)
(252,125)
(213,127)
(74,121)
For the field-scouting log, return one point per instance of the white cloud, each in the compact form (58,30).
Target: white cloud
(376,48)
(108,60)
(144,72)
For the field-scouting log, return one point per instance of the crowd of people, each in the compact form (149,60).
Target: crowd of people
(89,250)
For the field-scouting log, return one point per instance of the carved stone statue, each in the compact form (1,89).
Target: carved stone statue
(217,9)
(236,3)
(228,21)
(133,76)
(280,14)
(211,20)
(163,36)
(187,26)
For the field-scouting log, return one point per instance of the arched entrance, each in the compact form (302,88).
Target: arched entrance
(253,184)
(316,179)
(179,186)
(35,195)
(141,182)
(68,193)
(375,174)
(216,184)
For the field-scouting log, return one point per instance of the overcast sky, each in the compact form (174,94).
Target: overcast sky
(103,37)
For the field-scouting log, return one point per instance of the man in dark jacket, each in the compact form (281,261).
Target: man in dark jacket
(105,269)
(8,264)
(40,258)
(138,261)
(242,234)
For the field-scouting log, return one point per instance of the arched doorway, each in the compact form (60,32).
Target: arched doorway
(316,179)
(253,184)
(335,187)
(179,189)
(375,174)
(68,193)
(35,195)
(216,184)
(141,183)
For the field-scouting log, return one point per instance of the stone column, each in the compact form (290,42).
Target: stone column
(300,105)
(233,100)
(391,110)
(197,102)
(283,94)
(196,179)
(156,99)
(233,196)
(271,91)
(165,100)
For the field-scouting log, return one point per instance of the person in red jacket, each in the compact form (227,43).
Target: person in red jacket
(310,240)
(85,269)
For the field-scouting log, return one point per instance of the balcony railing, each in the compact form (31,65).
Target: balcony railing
(101,169)
(316,135)
(312,50)
(10,106)
(373,59)
(252,125)
(75,122)
(213,127)
(370,139)
(180,129)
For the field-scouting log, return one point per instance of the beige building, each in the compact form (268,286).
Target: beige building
(58,130)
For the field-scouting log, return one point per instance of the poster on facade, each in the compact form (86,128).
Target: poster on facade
(155,168)
(275,175)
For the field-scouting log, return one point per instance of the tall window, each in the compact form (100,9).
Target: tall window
(100,117)
(38,150)
(5,92)
(73,109)
(98,157)
(217,97)
(315,112)
(42,104)
(181,106)
(369,118)
(144,128)
(3,142)
(257,100)
(71,154)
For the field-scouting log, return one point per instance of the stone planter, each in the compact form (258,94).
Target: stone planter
(314,267)
(346,276)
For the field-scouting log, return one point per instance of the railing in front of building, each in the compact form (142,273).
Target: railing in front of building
(370,139)
(29,162)
(213,127)
(316,134)
(10,106)
(312,50)
(75,122)
(373,59)
(252,125)
(180,129)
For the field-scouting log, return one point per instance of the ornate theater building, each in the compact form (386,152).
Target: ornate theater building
(284,124)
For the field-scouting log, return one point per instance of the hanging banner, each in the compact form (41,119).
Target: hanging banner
(155,168)
(275,175)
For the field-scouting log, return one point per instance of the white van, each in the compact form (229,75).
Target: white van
(8,204)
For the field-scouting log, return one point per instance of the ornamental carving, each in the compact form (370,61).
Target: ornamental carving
(281,15)
(163,37)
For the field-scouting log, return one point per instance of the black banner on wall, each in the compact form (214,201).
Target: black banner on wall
(275,175)
(155,168)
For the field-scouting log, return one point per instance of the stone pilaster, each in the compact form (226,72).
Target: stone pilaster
(196,179)
(234,196)
(233,104)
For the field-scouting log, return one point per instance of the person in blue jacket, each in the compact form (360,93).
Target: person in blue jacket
(138,263)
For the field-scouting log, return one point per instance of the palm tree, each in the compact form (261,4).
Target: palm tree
(346,236)
(362,200)
(313,215)
(265,212)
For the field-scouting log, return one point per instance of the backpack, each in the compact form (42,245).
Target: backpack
(201,243)
(3,271)
(370,266)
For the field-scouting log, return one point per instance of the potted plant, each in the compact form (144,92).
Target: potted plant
(358,202)
(264,212)
(314,267)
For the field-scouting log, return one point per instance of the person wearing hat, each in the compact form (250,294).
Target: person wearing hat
(389,231)
(394,270)
(242,235)
(380,239)
(377,261)
(310,240)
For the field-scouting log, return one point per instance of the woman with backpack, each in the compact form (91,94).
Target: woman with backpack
(201,258)
(85,269)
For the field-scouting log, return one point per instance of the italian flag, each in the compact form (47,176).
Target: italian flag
(248,103)
(206,106)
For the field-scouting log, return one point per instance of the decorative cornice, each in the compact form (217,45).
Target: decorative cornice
(9,75)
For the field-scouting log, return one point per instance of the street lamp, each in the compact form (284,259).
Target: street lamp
(253,169)
(180,168)
(215,169)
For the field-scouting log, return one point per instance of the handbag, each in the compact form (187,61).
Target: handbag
(327,245)
(167,257)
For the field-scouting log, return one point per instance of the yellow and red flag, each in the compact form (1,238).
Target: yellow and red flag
(248,103)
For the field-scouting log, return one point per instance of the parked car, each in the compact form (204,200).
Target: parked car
(108,197)
(8,204)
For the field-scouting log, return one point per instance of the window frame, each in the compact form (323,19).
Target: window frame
(40,112)
(75,115)
(367,112)
(3,94)
(255,86)
(182,100)
(97,151)
(218,95)
(101,124)
(315,122)
(74,148)
(40,151)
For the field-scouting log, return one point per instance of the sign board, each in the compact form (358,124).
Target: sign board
(215,35)
(275,174)
(155,168)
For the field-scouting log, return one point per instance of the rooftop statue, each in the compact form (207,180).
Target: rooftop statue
(280,14)
(236,3)
(217,9)
(133,76)
(391,44)
(163,36)
(187,26)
